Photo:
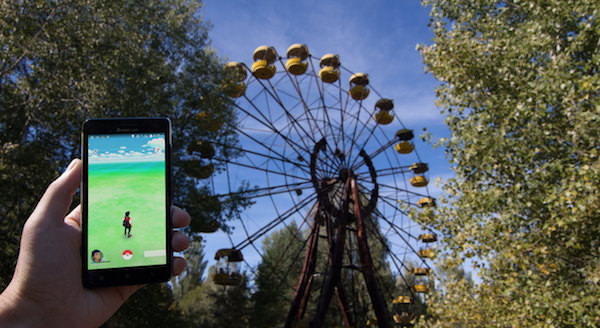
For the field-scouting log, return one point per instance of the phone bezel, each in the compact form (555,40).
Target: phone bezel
(130,275)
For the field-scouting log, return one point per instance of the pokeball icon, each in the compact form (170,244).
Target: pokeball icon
(127,254)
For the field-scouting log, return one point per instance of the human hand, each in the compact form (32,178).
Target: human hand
(46,289)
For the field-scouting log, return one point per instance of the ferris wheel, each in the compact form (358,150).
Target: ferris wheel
(321,147)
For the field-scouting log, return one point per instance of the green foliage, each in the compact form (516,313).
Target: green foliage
(151,306)
(232,305)
(277,276)
(193,275)
(520,90)
(213,306)
(62,62)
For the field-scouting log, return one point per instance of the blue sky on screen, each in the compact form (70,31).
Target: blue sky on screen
(119,148)
(377,37)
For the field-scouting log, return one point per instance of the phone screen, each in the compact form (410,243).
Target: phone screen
(126,192)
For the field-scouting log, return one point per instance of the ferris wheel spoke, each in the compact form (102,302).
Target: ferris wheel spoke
(391,199)
(398,263)
(267,191)
(400,232)
(413,251)
(270,126)
(324,107)
(383,146)
(371,133)
(329,164)
(253,244)
(260,168)
(279,219)
(269,155)
(377,152)
(294,81)
(354,136)
(407,191)
(393,171)
(321,160)
(272,92)
(386,245)
(312,235)
(330,150)
(283,276)
(392,205)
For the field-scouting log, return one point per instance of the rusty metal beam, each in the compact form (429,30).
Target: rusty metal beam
(334,273)
(298,305)
(377,299)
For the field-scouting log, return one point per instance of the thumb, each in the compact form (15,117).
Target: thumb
(56,200)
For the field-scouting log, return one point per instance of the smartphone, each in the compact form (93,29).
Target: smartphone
(126,201)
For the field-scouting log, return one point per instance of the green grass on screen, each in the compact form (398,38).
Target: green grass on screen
(114,188)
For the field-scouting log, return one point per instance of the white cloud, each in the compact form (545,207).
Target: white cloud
(157,143)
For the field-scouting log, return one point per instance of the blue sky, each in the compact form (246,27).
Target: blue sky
(375,37)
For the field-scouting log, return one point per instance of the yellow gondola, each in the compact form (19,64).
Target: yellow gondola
(426,202)
(405,134)
(297,54)
(426,253)
(208,122)
(329,72)
(404,319)
(421,288)
(418,181)
(384,117)
(265,52)
(262,70)
(419,168)
(358,86)
(228,267)
(236,90)
(204,148)
(402,299)
(384,104)
(428,237)
(196,169)
(420,271)
(234,85)
(236,70)
(404,147)
(263,67)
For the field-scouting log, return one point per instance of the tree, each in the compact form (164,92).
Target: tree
(193,275)
(210,305)
(151,306)
(62,62)
(520,91)
(277,276)
(231,305)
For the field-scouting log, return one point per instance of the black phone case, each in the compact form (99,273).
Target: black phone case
(129,275)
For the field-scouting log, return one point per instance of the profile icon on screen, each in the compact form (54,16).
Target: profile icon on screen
(97,256)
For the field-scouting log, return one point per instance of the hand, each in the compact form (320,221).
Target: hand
(46,289)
